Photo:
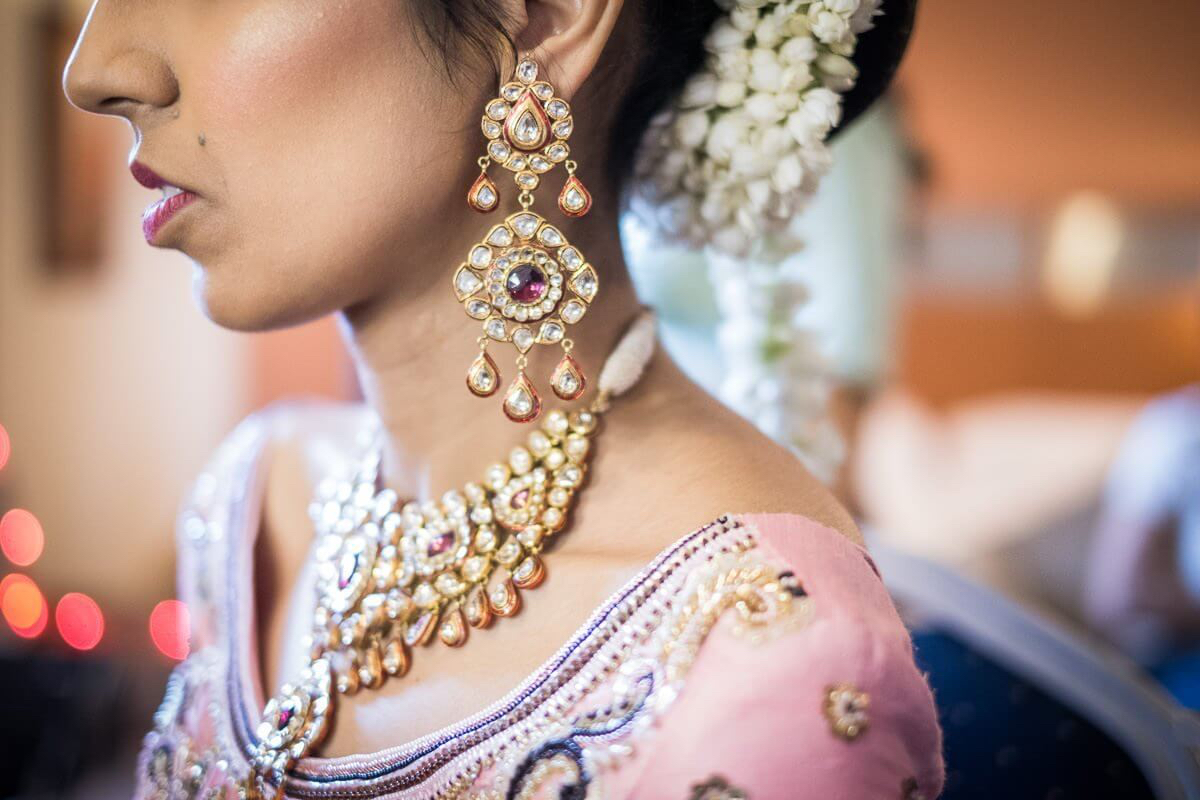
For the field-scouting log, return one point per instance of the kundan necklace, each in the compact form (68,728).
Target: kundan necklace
(391,577)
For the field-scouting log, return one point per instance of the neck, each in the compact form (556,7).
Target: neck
(412,348)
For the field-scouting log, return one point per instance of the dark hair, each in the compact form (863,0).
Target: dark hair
(669,49)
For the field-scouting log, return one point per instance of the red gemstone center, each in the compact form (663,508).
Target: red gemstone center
(285,716)
(520,499)
(526,283)
(440,544)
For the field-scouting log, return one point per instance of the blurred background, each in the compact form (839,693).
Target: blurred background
(1004,279)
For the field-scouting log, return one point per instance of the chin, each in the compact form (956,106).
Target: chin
(237,305)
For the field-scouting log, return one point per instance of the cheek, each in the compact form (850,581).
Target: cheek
(334,138)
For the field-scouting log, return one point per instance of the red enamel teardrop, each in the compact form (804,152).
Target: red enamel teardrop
(574,200)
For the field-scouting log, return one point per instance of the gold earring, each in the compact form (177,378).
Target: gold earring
(524,281)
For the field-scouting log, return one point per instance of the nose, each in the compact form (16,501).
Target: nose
(117,66)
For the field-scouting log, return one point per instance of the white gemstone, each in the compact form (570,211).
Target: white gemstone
(481,256)
(511,91)
(519,401)
(525,225)
(498,150)
(540,164)
(563,129)
(554,293)
(516,163)
(584,283)
(527,71)
(510,310)
(573,311)
(544,91)
(567,383)
(550,236)
(523,339)
(485,196)
(556,152)
(496,329)
(521,314)
(547,305)
(574,199)
(466,282)
(500,236)
(527,180)
(550,332)
(527,130)
(557,109)
(477,308)
(497,109)
(491,130)
(571,258)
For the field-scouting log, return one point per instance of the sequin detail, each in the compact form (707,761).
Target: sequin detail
(846,710)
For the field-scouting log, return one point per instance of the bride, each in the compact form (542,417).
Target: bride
(579,575)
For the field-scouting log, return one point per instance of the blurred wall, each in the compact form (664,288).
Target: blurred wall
(112,387)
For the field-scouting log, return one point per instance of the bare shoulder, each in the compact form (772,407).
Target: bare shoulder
(699,459)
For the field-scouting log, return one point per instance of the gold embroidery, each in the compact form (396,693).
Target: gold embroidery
(716,788)
(846,710)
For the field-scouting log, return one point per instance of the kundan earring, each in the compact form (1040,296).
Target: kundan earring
(524,281)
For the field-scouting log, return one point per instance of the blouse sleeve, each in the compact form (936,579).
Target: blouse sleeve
(831,705)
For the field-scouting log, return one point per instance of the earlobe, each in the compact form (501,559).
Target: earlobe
(567,37)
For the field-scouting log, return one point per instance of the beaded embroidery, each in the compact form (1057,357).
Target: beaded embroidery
(578,716)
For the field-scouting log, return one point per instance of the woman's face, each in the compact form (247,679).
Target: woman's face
(329,153)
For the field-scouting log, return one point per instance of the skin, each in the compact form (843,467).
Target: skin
(332,178)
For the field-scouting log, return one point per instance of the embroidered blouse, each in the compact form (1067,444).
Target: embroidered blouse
(758,656)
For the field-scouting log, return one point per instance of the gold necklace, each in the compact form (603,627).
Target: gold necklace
(391,577)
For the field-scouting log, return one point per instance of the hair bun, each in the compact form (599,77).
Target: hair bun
(743,147)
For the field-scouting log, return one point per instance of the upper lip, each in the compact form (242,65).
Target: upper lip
(151,179)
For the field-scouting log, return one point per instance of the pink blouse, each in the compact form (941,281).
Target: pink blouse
(759,656)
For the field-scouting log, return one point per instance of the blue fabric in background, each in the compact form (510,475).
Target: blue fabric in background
(1007,739)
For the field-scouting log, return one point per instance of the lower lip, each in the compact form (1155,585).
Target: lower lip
(160,213)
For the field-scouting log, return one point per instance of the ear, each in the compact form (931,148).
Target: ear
(565,37)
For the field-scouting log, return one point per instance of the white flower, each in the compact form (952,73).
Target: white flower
(763,108)
(731,93)
(798,50)
(700,91)
(828,26)
(691,128)
(724,37)
(726,134)
(839,72)
(744,19)
(769,31)
(788,174)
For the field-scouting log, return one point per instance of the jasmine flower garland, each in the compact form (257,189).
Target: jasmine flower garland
(728,167)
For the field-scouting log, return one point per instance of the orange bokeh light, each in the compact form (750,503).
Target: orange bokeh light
(79,620)
(5,447)
(170,627)
(21,537)
(23,605)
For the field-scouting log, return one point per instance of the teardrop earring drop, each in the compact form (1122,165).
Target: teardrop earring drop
(524,282)
(483,195)
(522,402)
(574,200)
(568,380)
(483,376)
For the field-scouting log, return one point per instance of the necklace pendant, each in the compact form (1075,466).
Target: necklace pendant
(453,630)
(477,610)
(504,599)
(292,723)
